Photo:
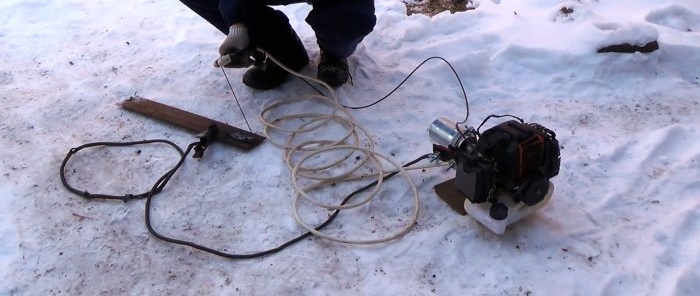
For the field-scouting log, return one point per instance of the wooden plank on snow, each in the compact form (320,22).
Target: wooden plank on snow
(196,123)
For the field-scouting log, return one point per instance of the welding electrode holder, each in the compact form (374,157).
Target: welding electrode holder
(241,59)
(205,139)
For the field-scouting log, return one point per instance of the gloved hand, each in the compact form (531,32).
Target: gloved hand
(235,51)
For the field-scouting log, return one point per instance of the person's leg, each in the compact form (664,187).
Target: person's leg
(265,25)
(340,25)
(272,32)
(268,29)
(208,10)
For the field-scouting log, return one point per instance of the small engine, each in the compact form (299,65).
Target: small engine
(502,175)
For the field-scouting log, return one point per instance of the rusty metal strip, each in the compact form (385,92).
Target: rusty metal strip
(196,123)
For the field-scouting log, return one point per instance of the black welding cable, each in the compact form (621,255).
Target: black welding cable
(156,188)
(165,178)
(459,80)
(272,250)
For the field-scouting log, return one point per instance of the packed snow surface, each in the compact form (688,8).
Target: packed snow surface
(624,218)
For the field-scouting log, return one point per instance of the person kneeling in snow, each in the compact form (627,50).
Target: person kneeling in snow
(340,25)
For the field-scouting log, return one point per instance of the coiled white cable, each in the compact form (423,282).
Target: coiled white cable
(350,141)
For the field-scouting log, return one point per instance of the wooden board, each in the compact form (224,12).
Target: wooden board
(447,191)
(196,123)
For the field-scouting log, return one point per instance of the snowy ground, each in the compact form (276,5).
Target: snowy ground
(624,219)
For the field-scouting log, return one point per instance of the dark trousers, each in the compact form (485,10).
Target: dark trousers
(340,25)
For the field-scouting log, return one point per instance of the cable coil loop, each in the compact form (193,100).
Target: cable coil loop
(353,139)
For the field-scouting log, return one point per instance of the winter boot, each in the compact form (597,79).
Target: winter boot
(332,70)
(289,51)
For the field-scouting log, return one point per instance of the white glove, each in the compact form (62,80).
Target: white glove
(234,50)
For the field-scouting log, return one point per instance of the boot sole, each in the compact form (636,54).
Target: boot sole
(261,86)
(256,84)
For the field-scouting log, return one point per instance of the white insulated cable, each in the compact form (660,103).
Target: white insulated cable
(350,141)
